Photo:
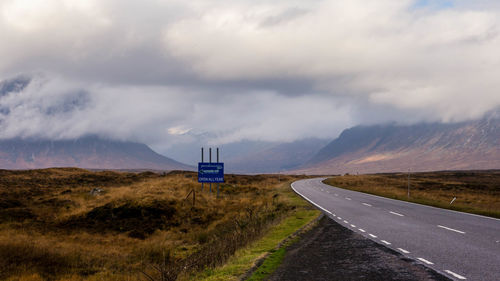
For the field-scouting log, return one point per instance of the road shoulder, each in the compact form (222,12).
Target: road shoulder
(332,252)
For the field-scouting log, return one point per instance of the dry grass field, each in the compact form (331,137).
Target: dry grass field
(140,226)
(475,191)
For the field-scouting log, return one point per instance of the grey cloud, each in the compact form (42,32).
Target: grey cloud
(231,70)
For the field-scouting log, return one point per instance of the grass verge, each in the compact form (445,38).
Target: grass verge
(266,247)
(476,192)
(73,224)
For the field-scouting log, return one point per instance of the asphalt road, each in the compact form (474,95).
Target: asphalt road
(460,246)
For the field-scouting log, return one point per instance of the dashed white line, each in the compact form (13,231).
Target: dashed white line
(424,261)
(403,251)
(362,230)
(352,225)
(347,198)
(458,276)
(346,221)
(339,218)
(366,204)
(397,214)
(374,236)
(385,242)
(451,229)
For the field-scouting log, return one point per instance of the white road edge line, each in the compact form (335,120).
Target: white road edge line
(451,229)
(385,242)
(425,261)
(352,225)
(397,214)
(458,276)
(404,251)
(362,230)
(374,236)
(310,201)
(366,204)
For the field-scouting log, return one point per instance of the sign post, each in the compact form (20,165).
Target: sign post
(210,161)
(202,162)
(210,172)
(222,172)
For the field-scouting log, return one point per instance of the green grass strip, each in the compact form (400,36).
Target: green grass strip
(245,258)
(269,265)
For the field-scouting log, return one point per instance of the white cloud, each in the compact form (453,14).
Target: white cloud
(158,71)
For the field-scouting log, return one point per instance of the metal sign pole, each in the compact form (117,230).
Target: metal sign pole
(210,161)
(202,162)
(217,162)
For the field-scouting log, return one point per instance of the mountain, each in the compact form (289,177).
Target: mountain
(87,152)
(269,157)
(421,147)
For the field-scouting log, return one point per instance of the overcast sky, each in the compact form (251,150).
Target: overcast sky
(167,71)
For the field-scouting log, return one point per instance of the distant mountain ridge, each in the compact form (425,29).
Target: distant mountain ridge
(87,152)
(421,147)
(262,157)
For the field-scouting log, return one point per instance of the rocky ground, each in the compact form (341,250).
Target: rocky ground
(332,252)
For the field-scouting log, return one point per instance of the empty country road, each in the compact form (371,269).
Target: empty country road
(461,246)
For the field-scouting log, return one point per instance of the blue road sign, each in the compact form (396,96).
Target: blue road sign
(211,172)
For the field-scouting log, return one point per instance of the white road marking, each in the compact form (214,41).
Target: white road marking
(310,201)
(397,214)
(336,194)
(451,229)
(346,221)
(362,230)
(374,236)
(458,276)
(385,242)
(339,218)
(421,205)
(347,198)
(366,204)
(425,261)
(352,225)
(404,251)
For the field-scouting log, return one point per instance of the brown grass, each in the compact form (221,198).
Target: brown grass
(476,191)
(140,225)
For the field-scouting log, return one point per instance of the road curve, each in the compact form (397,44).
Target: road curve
(461,246)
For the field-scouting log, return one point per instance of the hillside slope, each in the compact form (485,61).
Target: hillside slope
(421,147)
(262,157)
(87,152)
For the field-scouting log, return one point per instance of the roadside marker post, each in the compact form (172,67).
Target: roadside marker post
(408,183)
